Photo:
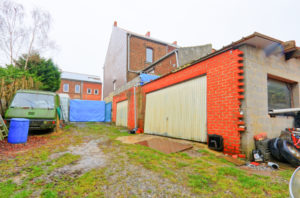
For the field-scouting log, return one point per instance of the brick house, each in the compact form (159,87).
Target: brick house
(80,86)
(229,92)
(130,54)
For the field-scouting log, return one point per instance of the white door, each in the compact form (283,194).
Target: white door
(178,111)
(122,108)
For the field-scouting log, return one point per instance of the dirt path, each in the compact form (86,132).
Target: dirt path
(87,161)
(90,154)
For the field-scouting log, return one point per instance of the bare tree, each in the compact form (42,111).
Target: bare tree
(38,33)
(17,38)
(12,34)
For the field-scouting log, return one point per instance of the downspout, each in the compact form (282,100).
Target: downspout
(128,55)
(81,90)
(134,95)
(177,61)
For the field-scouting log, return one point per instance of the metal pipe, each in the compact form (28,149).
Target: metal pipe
(134,95)
(177,61)
(128,55)
(279,111)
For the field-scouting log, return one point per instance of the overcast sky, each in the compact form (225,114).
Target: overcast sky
(82,28)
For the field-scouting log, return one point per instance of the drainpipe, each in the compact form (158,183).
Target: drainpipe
(134,95)
(81,90)
(128,55)
(177,61)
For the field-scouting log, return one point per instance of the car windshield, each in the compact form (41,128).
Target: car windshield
(33,100)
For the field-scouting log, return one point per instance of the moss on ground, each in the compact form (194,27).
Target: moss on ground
(206,175)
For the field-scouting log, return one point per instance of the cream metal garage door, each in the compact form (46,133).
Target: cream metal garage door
(178,111)
(122,108)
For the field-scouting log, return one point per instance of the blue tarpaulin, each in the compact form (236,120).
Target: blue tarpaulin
(147,78)
(108,112)
(87,111)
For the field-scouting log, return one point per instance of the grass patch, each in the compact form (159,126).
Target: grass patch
(286,174)
(229,171)
(63,160)
(199,183)
(181,164)
(206,175)
(204,151)
(23,194)
(49,194)
(7,188)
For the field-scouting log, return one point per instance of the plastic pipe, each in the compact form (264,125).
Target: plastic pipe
(278,111)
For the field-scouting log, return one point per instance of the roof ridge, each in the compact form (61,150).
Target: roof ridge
(81,73)
(146,37)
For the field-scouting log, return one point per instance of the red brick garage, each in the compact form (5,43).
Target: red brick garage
(224,88)
(224,75)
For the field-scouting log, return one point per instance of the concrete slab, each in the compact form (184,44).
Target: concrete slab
(164,145)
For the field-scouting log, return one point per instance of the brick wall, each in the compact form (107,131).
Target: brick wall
(138,54)
(166,65)
(224,88)
(84,95)
(71,92)
(93,87)
(126,95)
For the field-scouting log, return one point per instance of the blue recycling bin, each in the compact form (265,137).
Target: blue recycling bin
(18,130)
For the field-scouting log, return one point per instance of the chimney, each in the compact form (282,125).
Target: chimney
(174,43)
(115,23)
(147,34)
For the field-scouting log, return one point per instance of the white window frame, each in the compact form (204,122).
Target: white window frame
(89,91)
(77,91)
(95,92)
(66,87)
(149,49)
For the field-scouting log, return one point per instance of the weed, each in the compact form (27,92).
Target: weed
(35,171)
(181,164)
(199,182)
(62,161)
(286,174)
(7,188)
(23,194)
(231,171)
(49,194)
(207,175)
(249,181)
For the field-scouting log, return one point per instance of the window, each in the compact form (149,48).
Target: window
(149,55)
(279,94)
(96,91)
(66,88)
(89,91)
(77,88)
(114,84)
(33,100)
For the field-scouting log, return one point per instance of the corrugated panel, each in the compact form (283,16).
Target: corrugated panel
(122,108)
(178,111)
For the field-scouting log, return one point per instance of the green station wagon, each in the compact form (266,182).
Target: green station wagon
(37,106)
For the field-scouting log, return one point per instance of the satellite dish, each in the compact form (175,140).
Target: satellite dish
(295,184)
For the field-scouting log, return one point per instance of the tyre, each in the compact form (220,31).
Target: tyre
(273,145)
(290,153)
